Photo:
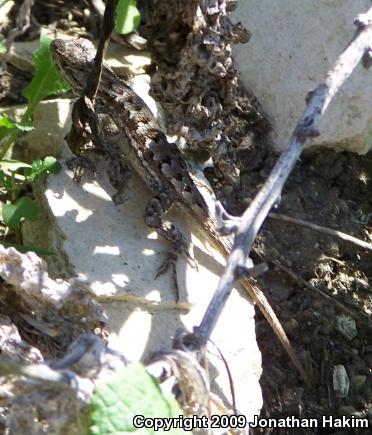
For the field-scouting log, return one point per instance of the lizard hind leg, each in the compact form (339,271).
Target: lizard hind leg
(155,210)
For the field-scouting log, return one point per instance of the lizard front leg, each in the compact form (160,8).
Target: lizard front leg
(94,134)
(80,139)
(118,171)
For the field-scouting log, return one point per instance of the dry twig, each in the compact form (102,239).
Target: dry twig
(325,230)
(247,226)
(351,312)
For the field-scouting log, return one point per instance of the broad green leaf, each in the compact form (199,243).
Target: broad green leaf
(51,164)
(5,122)
(131,392)
(6,126)
(127,17)
(24,208)
(9,124)
(39,167)
(47,80)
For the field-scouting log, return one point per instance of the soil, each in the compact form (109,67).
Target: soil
(326,188)
(333,190)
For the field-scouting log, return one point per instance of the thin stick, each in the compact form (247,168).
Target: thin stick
(352,313)
(107,26)
(247,227)
(325,230)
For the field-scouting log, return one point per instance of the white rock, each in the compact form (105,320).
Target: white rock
(118,254)
(341,382)
(13,346)
(294,44)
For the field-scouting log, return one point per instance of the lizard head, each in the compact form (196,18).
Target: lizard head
(74,59)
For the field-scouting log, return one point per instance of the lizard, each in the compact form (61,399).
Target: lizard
(126,126)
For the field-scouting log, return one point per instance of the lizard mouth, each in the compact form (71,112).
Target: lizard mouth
(57,50)
(73,58)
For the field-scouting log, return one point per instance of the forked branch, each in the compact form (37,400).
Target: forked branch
(247,226)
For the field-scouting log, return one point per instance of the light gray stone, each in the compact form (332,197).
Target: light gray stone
(111,248)
(293,45)
(341,381)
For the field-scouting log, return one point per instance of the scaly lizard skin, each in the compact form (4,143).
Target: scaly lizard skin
(127,127)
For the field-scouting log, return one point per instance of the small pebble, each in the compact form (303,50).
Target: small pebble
(341,382)
(346,326)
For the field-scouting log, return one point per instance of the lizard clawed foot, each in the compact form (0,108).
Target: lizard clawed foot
(170,262)
(80,165)
(119,175)
(191,260)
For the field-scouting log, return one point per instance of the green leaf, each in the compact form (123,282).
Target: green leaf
(131,392)
(51,164)
(41,167)
(127,17)
(47,80)
(5,122)
(24,208)
(7,125)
